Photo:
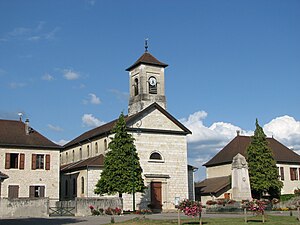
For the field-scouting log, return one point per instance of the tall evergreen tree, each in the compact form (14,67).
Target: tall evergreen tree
(122,172)
(263,171)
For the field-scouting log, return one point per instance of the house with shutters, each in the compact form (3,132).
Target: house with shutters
(160,140)
(29,162)
(218,182)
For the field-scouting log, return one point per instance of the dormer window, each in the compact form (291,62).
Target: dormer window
(156,157)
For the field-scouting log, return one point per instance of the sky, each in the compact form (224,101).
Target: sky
(62,65)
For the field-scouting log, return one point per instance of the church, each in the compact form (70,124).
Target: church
(160,140)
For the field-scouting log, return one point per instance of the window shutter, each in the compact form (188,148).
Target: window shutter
(7,160)
(47,162)
(33,162)
(42,191)
(22,161)
(13,191)
(31,191)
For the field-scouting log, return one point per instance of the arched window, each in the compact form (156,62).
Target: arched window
(155,156)
(80,154)
(82,185)
(88,151)
(73,156)
(66,188)
(67,157)
(74,187)
(96,148)
(136,86)
(105,144)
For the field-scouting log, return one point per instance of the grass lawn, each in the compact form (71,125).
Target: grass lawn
(274,220)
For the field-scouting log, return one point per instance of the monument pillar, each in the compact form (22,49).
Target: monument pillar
(240,182)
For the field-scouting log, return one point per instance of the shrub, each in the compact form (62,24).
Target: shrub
(211,202)
(96,212)
(190,208)
(286,197)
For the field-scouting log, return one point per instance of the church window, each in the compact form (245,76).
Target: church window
(74,187)
(67,157)
(73,156)
(82,185)
(105,144)
(80,154)
(136,86)
(66,188)
(155,156)
(96,147)
(88,151)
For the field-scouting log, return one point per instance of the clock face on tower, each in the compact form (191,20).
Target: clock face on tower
(152,81)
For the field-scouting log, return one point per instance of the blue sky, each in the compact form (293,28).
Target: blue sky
(62,64)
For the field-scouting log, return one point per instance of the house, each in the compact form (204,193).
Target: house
(218,170)
(160,140)
(29,162)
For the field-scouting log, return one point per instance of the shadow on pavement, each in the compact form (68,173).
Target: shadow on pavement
(40,221)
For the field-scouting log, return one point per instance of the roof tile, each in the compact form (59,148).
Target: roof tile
(239,144)
(12,134)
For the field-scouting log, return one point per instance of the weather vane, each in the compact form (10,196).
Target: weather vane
(146,45)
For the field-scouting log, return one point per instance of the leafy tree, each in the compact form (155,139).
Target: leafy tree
(122,172)
(263,172)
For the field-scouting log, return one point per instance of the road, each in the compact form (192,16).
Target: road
(99,220)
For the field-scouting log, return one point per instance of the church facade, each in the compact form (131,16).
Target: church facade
(160,140)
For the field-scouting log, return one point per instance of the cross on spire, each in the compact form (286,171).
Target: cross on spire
(146,45)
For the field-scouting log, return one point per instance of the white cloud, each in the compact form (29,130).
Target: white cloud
(88,120)
(206,141)
(286,130)
(54,128)
(91,2)
(94,99)
(71,75)
(122,96)
(2,72)
(33,33)
(15,85)
(47,77)
(61,142)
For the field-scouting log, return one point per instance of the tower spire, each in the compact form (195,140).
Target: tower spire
(146,45)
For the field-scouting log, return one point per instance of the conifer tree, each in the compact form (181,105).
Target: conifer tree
(263,172)
(122,172)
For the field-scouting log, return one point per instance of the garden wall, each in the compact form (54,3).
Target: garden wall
(82,205)
(24,207)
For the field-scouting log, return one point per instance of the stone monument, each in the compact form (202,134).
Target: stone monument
(240,182)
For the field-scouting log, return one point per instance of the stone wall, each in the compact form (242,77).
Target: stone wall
(24,207)
(82,204)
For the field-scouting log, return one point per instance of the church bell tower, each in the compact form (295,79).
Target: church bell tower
(146,83)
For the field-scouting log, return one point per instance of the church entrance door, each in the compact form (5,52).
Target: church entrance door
(156,197)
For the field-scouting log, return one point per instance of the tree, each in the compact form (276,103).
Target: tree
(263,172)
(122,172)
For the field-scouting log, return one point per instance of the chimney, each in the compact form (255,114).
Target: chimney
(238,133)
(27,128)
